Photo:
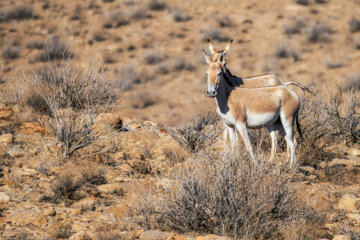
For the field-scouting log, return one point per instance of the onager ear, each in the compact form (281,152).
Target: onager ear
(207,58)
(211,47)
(227,48)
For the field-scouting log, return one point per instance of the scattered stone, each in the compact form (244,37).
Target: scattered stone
(4,197)
(31,128)
(341,237)
(80,236)
(154,235)
(5,113)
(349,202)
(26,216)
(6,139)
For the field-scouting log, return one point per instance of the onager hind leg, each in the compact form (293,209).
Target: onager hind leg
(241,127)
(272,131)
(288,125)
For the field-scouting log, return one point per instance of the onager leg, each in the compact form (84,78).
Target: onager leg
(230,133)
(288,125)
(273,143)
(241,127)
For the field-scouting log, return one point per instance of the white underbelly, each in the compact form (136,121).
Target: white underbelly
(257,120)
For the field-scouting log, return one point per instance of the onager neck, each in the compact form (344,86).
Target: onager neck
(223,95)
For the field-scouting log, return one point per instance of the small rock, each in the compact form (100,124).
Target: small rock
(6,138)
(349,202)
(354,152)
(5,112)
(80,236)
(341,237)
(31,128)
(4,197)
(154,235)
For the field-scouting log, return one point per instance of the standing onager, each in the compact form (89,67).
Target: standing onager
(273,107)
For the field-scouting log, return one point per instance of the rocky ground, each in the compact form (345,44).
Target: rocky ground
(116,170)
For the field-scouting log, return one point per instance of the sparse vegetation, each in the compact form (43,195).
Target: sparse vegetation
(354,25)
(54,49)
(116,19)
(156,5)
(224,21)
(126,77)
(225,196)
(21,12)
(294,27)
(335,63)
(352,82)
(179,15)
(35,44)
(10,52)
(318,32)
(153,58)
(286,51)
(176,64)
(65,189)
(202,133)
(214,34)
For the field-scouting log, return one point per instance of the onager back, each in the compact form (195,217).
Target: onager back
(241,108)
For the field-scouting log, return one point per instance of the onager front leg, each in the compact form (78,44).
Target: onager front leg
(241,127)
(273,143)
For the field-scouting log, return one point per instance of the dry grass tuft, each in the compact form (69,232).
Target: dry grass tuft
(202,133)
(318,32)
(21,12)
(352,82)
(179,15)
(286,51)
(155,5)
(354,25)
(10,52)
(54,50)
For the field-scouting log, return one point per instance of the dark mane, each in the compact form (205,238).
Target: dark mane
(231,79)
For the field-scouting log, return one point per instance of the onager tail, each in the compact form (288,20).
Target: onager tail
(304,88)
(298,126)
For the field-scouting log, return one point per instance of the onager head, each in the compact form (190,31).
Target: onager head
(214,74)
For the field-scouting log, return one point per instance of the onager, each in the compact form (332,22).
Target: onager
(273,107)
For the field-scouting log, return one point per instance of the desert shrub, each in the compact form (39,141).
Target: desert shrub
(324,123)
(99,37)
(35,44)
(179,15)
(94,177)
(10,52)
(318,32)
(126,77)
(286,51)
(64,189)
(202,133)
(294,27)
(153,58)
(72,98)
(63,232)
(224,196)
(54,49)
(335,63)
(352,82)
(155,5)
(214,34)
(70,88)
(18,13)
(144,99)
(138,13)
(176,64)
(224,21)
(356,43)
(116,19)
(303,2)
(354,25)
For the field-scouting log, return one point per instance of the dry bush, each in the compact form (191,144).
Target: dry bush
(354,25)
(153,58)
(324,123)
(54,50)
(72,99)
(175,65)
(303,2)
(202,133)
(63,190)
(286,51)
(138,13)
(352,82)
(10,52)
(35,44)
(144,99)
(99,36)
(214,34)
(294,27)
(225,196)
(18,13)
(126,77)
(335,63)
(224,21)
(155,5)
(318,32)
(94,177)
(67,87)
(356,43)
(179,15)
(116,19)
